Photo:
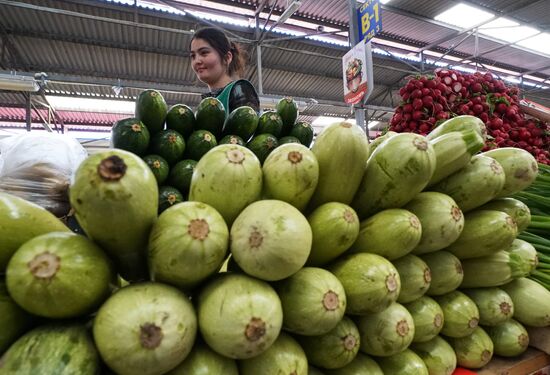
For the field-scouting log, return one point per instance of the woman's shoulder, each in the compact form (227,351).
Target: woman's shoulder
(244,93)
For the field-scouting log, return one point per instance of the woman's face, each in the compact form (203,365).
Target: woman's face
(207,62)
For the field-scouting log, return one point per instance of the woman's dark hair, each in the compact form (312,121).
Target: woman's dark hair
(219,41)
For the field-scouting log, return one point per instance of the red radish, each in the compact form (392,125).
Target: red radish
(417,115)
(427,101)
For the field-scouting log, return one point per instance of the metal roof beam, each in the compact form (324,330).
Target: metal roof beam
(99,42)
(70,13)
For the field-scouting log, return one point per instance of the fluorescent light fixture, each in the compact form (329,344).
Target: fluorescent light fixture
(507,30)
(65,103)
(18,83)
(289,11)
(464,16)
(539,43)
(384,1)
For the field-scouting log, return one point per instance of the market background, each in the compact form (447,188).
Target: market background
(88,48)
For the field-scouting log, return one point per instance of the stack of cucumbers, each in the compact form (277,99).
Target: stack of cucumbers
(172,140)
(402,256)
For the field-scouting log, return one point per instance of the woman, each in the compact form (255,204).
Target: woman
(218,62)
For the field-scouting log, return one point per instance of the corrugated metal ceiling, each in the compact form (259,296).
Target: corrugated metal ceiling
(94,49)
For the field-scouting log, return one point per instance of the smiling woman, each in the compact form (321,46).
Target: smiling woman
(219,63)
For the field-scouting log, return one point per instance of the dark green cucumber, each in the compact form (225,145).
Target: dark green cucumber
(130,134)
(180,175)
(199,143)
(158,166)
(151,109)
(242,121)
(181,119)
(288,110)
(303,131)
(262,145)
(168,196)
(288,139)
(169,144)
(210,116)
(270,122)
(232,139)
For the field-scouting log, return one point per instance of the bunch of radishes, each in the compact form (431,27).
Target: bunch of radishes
(429,100)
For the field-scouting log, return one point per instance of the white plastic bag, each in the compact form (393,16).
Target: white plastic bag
(39,167)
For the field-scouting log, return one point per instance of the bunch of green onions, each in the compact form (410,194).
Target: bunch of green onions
(537,197)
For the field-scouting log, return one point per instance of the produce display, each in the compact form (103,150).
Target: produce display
(429,100)
(173,140)
(334,259)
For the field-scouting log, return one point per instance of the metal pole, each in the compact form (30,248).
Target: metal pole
(353,39)
(28,111)
(259,56)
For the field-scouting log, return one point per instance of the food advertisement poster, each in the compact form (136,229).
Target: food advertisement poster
(354,68)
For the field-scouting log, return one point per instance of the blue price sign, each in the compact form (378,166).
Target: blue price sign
(370,20)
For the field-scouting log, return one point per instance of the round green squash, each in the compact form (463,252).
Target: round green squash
(494,304)
(227,168)
(187,244)
(473,351)
(417,276)
(285,356)
(151,109)
(474,185)
(387,332)
(334,349)
(313,301)
(270,122)
(399,225)
(460,314)
(371,282)
(232,139)
(168,197)
(145,328)
(20,221)
(204,361)
(303,131)
(169,144)
(54,348)
(270,240)
(115,198)
(159,167)
(428,318)
(446,271)
(405,362)
(437,354)
(14,321)
(510,338)
(130,134)
(335,227)
(441,219)
(239,316)
(59,275)
(396,172)
(520,168)
(181,119)
(291,173)
(361,365)
(181,174)
(199,143)
(341,151)
(518,210)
